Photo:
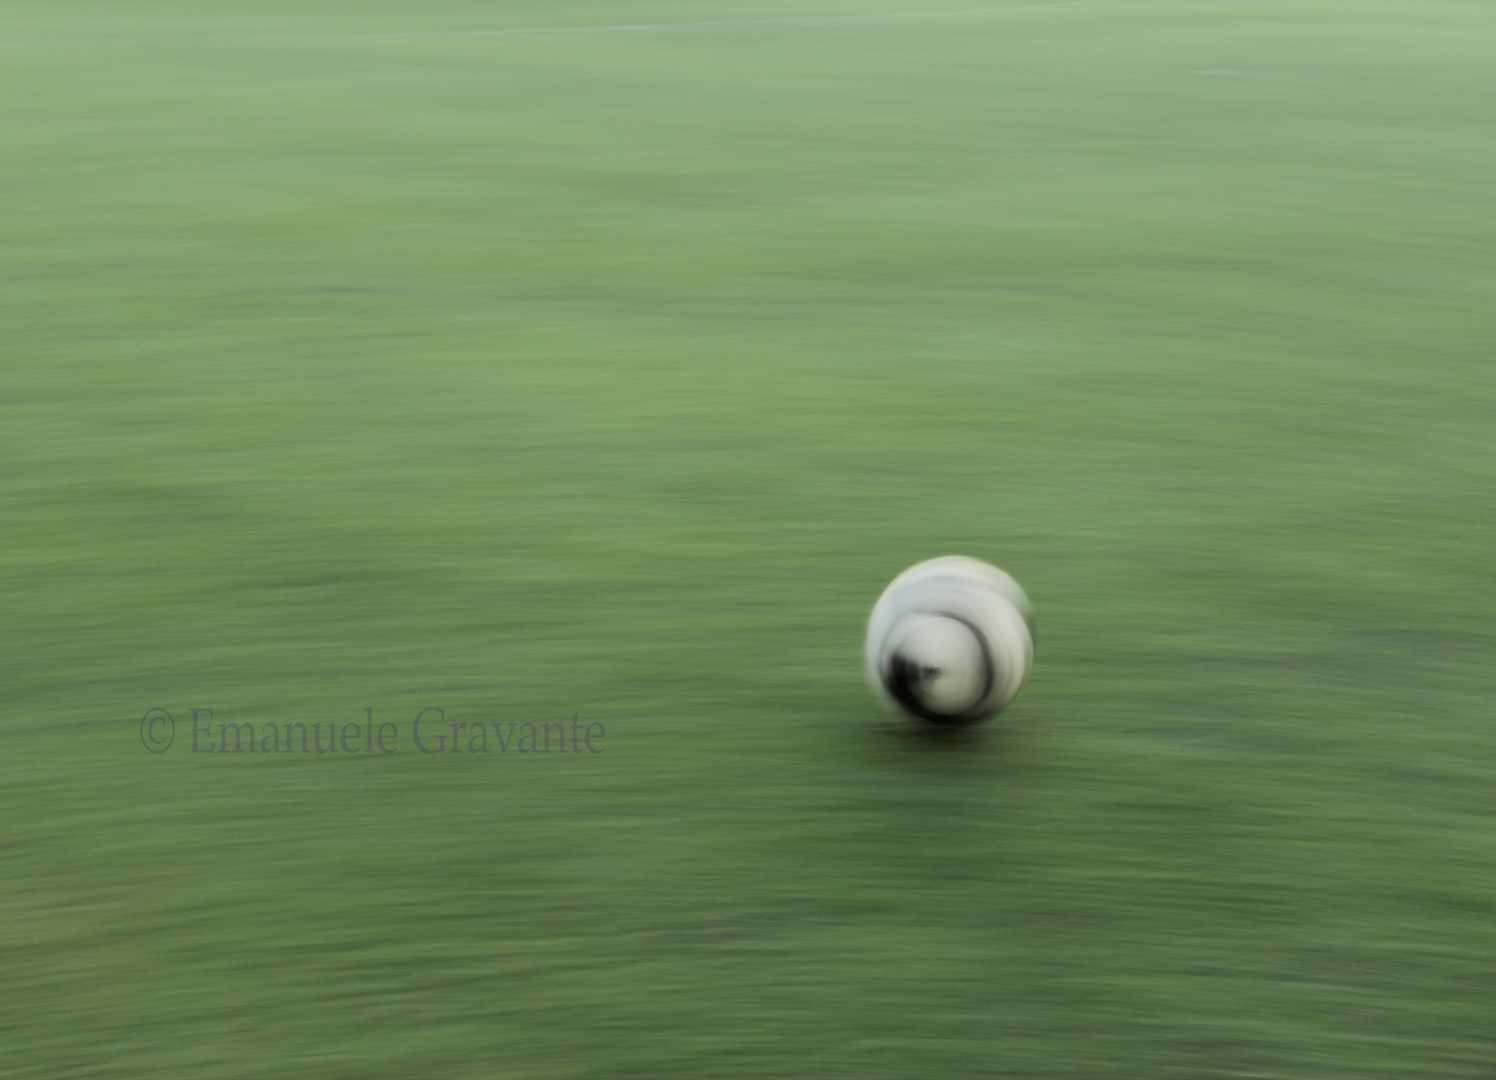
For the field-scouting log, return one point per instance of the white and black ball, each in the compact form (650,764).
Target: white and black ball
(949,641)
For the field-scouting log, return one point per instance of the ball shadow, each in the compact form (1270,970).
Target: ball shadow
(926,739)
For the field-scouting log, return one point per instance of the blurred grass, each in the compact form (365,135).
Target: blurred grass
(355,360)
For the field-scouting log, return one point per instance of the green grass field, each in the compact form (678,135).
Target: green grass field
(525,360)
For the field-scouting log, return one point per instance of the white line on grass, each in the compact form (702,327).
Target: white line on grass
(414,35)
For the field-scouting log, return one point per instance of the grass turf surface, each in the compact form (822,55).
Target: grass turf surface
(354,359)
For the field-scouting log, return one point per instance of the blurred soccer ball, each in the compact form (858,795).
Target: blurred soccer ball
(949,641)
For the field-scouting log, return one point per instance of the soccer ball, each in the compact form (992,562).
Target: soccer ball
(949,641)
